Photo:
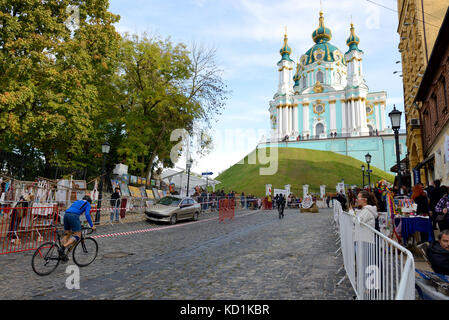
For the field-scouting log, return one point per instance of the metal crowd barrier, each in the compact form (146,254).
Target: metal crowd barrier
(25,228)
(378,268)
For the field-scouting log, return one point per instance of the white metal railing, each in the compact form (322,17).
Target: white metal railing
(377,267)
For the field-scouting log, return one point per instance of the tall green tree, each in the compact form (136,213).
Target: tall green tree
(167,87)
(56,83)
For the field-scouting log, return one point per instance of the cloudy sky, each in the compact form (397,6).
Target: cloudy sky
(248,35)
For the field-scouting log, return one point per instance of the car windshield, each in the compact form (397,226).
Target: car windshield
(169,201)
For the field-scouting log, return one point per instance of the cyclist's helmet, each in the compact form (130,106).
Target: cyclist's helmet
(88,199)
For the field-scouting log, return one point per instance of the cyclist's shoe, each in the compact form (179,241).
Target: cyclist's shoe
(64,258)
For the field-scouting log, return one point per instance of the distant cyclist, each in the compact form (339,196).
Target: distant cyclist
(72,223)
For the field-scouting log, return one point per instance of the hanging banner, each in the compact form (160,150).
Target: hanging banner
(341,187)
(416,176)
(268,189)
(305,190)
(287,189)
(322,191)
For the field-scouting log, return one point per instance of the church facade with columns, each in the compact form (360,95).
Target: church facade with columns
(323,103)
(325,95)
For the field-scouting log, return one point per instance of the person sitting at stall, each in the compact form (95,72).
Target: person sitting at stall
(420,198)
(438,253)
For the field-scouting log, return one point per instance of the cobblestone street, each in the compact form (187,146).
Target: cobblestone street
(255,256)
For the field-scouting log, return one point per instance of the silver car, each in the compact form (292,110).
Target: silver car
(172,209)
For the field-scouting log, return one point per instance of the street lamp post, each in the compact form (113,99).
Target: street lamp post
(368,161)
(395,117)
(363,176)
(188,165)
(105,147)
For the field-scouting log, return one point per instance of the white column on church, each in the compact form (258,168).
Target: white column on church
(376,110)
(333,115)
(357,114)
(382,116)
(363,118)
(295,119)
(343,116)
(305,119)
(285,119)
(352,116)
(280,116)
(289,119)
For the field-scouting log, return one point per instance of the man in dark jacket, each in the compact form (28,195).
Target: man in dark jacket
(115,204)
(434,196)
(438,253)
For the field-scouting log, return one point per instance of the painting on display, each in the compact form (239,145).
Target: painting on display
(124,189)
(150,194)
(143,192)
(156,194)
(133,179)
(135,192)
(79,188)
(115,184)
(161,194)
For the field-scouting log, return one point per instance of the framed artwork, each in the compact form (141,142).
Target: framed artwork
(156,194)
(124,189)
(133,179)
(143,192)
(161,194)
(115,184)
(150,194)
(135,192)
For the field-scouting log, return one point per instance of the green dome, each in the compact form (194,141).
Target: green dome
(286,51)
(353,40)
(322,34)
(321,52)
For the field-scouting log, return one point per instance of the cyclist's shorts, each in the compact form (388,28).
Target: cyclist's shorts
(72,222)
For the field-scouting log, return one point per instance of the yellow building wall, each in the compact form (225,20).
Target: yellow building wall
(416,43)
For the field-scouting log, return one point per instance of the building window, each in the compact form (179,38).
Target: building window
(443,83)
(338,78)
(434,105)
(304,81)
(320,77)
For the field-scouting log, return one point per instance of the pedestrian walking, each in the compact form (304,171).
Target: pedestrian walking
(115,204)
(281,206)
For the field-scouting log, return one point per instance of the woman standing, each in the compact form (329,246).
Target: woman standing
(420,198)
(367,202)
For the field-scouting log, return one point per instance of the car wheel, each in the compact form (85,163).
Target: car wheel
(195,216)
(173,219)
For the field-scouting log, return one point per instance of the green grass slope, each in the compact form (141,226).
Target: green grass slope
(298,167)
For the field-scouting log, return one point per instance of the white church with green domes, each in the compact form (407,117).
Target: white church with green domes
(327,96)
(324,103)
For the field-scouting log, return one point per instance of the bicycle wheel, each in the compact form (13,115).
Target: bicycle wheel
(45,258)
(85,252)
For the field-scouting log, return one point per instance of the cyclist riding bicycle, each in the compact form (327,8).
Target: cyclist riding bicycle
(72,223)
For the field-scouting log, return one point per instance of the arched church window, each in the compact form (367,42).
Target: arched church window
(319,129)
(338,77)
(320,77)
(304,81)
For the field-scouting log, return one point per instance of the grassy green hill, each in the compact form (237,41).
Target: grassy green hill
(298,167)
